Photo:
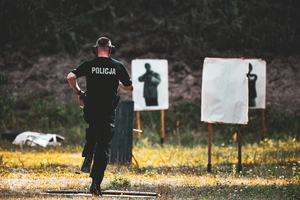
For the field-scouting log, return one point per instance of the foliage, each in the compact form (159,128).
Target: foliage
(120,182)
(3,79)
(40,112)
(63,25)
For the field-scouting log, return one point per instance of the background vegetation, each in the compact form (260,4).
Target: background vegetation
(42,113)
(64,24)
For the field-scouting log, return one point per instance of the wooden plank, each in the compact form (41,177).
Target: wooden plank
(239,137)
(209,146)
(138,121)
(116,192)
(129,192)
(162,138)
(263,128)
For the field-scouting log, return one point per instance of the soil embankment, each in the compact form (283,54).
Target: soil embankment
(31,72)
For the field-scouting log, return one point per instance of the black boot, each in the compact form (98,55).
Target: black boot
(86,166)
(95,188)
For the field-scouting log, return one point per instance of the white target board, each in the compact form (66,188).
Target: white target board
(150,80)
(257,83)
(225,91)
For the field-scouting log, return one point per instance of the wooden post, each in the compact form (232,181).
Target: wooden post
(121,144)
(239,137)
(209,147)
(263,128)
(138,123)
(162,137)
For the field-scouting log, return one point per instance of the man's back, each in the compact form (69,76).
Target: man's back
(102,75)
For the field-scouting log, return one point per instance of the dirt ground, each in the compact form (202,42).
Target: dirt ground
(37,188)
(28,72)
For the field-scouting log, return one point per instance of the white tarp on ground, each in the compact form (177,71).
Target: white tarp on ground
(151,90)
(34,138)
(225,91)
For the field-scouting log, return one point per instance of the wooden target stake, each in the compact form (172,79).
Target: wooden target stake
(263,128)
(162,137)
(209,147)
(138,121)
(239,137)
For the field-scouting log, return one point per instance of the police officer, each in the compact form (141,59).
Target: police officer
(103,76)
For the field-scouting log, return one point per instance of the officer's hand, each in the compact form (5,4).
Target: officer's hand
(80,97)
(121,86)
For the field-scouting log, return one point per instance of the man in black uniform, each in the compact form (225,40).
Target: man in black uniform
(103,76)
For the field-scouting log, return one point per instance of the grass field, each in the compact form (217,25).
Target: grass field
(271,170)
(175,171)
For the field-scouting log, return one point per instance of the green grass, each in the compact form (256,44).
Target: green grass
(54,169)
(40,112)
(183,126)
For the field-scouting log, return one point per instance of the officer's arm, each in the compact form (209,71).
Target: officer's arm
(126,88)
(73,83)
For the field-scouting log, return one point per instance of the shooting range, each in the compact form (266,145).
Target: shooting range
(160,100)
(224,96)
(150,79)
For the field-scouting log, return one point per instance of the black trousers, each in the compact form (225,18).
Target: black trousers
(99,113)
(90,144)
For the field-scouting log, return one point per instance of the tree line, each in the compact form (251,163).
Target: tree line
(64,25)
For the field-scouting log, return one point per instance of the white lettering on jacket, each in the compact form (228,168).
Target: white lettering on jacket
(102,70)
